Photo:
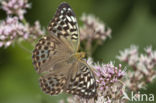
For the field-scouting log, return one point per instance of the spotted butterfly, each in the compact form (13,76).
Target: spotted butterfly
(57,60)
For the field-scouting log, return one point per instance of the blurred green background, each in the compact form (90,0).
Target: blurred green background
(132,22)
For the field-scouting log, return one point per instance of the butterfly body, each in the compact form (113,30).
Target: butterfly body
(57,59)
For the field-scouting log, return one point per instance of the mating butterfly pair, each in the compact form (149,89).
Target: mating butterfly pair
(56,58)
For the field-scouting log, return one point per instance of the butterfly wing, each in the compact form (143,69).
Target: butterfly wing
(64,26)
(50,58)
(52,83)
(82,82)
(48,52)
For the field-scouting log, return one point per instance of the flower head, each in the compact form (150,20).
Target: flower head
(93,28)
(36,31)
(142,65)
(129,55)
(17,7)
(109,82)
(10,29)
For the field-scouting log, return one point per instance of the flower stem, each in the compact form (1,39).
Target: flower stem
(89,47)
(24,21)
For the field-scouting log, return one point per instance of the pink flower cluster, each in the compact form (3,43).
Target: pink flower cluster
(16,28)
(109,80)
(142,67)
(16,7)
(35,31)
(108,74)
(11,29)
(93,28)
(93,33)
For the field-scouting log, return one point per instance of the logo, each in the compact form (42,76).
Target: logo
(139,97)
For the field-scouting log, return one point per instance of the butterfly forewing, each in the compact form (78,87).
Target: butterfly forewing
(48,52)
(64,25)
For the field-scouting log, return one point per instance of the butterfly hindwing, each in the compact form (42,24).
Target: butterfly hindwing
(64,25)
(52,84)
(83,82)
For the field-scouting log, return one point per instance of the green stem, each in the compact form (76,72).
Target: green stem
(94,47)
(89,47)
(24,21)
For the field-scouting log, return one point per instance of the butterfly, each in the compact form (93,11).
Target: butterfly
(57,60)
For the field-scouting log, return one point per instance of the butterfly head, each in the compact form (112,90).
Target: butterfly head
(79,55)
